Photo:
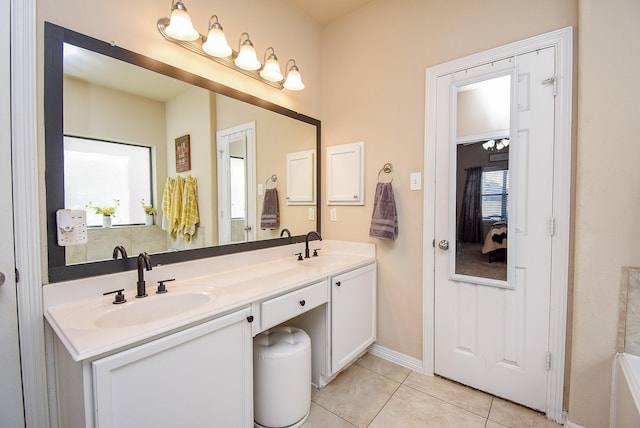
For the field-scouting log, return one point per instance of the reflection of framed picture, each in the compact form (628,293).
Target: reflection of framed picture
(499,157)
(183,154)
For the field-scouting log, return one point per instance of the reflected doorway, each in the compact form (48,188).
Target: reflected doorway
(236,189)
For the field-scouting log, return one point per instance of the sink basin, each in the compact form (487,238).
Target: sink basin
(152,308)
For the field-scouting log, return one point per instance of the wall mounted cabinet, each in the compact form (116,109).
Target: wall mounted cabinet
(301,178)
(345,174)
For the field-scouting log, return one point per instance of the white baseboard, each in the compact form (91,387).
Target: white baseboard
(397,358)
(569,424)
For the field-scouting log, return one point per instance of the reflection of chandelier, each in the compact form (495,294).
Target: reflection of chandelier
(492,145)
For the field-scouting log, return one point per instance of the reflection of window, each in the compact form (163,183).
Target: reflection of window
(494,191)
(101,172)
(236,170)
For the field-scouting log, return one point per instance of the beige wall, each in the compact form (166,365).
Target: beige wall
(369,87)
(607,234)
(373,90)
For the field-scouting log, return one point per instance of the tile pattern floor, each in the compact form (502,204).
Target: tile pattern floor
(376,393)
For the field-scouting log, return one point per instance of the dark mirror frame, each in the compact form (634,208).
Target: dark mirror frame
(55,37)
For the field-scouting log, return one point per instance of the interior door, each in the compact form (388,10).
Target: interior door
(493,334)
(236,189)
(11,404)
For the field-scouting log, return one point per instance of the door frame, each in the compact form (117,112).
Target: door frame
(562,40)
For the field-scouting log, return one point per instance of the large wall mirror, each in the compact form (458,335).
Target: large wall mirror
(121,130)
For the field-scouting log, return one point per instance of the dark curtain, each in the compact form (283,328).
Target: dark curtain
(470,227)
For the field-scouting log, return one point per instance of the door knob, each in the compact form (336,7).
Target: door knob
(2,278)
(443,245)
(248,228)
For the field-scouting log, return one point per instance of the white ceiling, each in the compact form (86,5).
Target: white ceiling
(324,11)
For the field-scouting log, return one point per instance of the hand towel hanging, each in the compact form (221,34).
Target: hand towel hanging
(189,216)
(167,196)
(176,208)
(270,218)
(384,219)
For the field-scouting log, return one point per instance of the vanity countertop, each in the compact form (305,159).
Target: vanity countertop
(91,326)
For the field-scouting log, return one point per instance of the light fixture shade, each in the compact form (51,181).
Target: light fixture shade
(180,26)
(489,144)
(271,70)
(247,59)
(216,44)
(293,80)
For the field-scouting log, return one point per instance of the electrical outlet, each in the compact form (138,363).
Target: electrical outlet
(312,213)
(333,214)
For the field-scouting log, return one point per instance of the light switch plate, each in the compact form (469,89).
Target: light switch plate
(312,213)
(333,214)
(415,181)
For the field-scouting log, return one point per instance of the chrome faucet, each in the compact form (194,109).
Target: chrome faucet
(119,249)
(306,242)
(144,262)
(285,230)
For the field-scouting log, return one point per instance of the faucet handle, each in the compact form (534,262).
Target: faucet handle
(299,255)
(119,299)
(315,252)
(162,288)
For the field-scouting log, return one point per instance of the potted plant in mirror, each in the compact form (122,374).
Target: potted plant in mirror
(106,212)
(150,211)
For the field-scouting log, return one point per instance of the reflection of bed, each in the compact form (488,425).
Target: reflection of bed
(496,240)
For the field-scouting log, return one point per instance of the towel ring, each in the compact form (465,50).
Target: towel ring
(274,179)
(387,169)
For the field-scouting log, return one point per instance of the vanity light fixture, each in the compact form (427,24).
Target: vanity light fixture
(271,70)
(293,80)
(180,26)
(246,59)
(216,44)
(179,30)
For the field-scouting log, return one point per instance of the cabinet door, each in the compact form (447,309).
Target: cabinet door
(345,169)
(199,377)
(301,178)
(353,315)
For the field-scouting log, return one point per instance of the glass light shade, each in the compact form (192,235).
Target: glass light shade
(271,70)
(247,58)
(505,142)
(294,80)
(180,26)
(489,144)
(216,44)
(499,146)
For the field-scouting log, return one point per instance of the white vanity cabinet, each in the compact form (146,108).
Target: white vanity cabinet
(197,377)
(353,315)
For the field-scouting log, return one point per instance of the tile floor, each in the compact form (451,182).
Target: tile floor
(378,394)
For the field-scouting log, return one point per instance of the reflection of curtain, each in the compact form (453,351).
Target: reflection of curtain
(470,227)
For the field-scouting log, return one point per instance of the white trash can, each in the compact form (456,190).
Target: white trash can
(281,377)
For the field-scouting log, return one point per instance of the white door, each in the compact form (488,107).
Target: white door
(236,188)
(493,334)
(11,404)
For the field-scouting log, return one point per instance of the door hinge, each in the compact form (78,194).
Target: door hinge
(548,361)
(552,226)
(17,276)
(433,243)
(552,81)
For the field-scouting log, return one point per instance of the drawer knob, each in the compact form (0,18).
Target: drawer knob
(337,283)
(250,318)
(302,303)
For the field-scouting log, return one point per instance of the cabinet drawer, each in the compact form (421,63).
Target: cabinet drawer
(280,309)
